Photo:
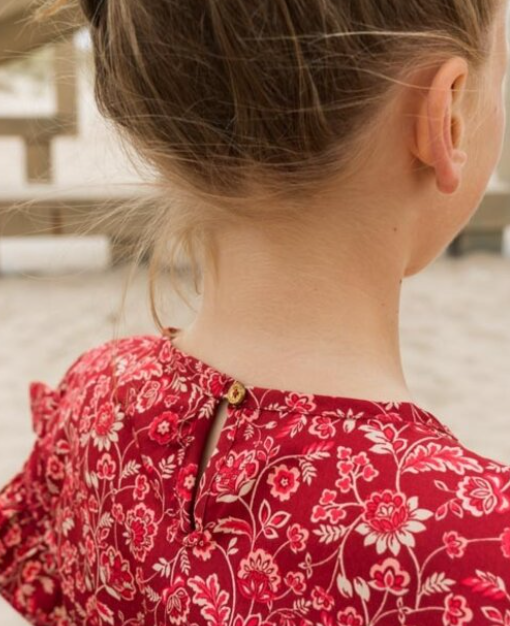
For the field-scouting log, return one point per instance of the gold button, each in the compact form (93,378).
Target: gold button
(236,393)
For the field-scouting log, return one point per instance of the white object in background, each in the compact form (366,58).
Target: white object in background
(54,254)
(506,242)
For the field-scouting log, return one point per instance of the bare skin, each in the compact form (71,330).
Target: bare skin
(316,310)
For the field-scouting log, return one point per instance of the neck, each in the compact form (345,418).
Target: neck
(315,311)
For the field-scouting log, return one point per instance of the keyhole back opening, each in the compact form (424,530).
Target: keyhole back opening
(211,442)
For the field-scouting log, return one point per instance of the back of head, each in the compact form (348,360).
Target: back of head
(234,98)
(227,95)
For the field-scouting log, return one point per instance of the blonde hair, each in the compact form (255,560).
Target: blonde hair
(230,99)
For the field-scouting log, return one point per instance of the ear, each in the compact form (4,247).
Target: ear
(440,124)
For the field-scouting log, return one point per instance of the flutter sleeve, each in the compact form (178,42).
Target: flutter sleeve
(29,566)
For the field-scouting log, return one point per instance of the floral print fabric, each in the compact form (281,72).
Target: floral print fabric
(314,510)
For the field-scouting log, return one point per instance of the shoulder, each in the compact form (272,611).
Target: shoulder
(124,356)
(436,478)
(109,371)
(405,501)
(89,411)
(453,479)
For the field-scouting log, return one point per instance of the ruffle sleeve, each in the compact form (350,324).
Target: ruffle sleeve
(29,578)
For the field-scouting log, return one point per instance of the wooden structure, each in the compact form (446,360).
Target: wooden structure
(19,35)
(41,208)
(47,210)
(485,230)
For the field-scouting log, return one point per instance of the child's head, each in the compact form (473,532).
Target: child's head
(259,110)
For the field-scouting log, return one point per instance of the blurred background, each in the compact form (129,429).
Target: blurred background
(61,291)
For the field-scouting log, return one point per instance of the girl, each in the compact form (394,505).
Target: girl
(267,465)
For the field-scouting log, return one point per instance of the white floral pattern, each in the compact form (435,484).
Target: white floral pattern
(314,510)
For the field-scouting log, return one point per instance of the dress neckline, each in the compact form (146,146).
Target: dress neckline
(219,385)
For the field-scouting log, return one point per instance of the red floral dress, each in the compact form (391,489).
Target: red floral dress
(314,510)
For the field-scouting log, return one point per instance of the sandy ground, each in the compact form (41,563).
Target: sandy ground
(455,335)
